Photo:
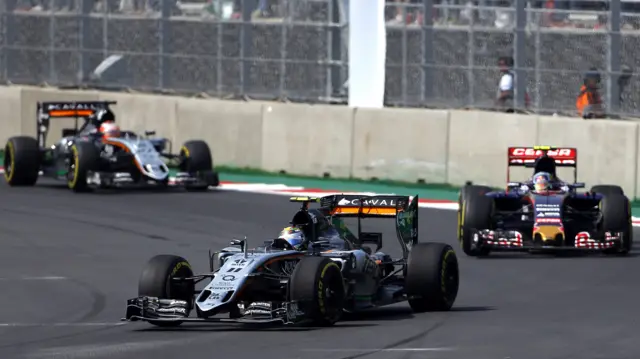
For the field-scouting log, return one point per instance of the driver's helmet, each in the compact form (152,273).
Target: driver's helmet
(542,181)
(293,235)
(101,116)
(109,129)
(105,115)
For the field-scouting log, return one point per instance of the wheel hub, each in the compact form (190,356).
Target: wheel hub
(71,171)
(328,293)
(450,282)
(8,164)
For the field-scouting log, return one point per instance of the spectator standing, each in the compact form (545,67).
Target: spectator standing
(589,101)
(264,9)
(623,80)
(506,86)
(406,12)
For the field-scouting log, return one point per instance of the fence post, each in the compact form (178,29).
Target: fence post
(427,51)
(520,38)
(164,77)
(5,10)
(613,58)
(335,49)
(52,76)
(471,50)
(85,25)
(246,44)
(537,67)
(403,58)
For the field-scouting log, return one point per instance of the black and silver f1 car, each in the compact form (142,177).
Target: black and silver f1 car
(330,272)
(558,218)
(85,160)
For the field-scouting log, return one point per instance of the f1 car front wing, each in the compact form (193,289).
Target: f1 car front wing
(182,179)
(513,241)
(169,310)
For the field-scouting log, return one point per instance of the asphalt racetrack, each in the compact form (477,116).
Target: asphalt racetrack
(69,262)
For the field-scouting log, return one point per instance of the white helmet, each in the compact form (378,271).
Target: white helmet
(293,235)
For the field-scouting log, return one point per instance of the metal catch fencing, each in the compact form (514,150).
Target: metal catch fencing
(440,53)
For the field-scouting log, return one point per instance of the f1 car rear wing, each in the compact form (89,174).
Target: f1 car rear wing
(346,205)
(75,109)
(528,157)
(403,208)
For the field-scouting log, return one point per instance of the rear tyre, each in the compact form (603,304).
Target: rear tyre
(616,217)
(21,161)
(606,189)
(155,281)
(197,161)
(474,212)
(84,159)
(432,278)
(318,287)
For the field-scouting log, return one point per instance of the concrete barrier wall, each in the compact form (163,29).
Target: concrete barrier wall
(400,144)
(307,139)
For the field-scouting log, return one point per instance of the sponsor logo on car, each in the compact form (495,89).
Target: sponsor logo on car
(370,202)
(548,214)
(562,152)
(172,310)
(548,220)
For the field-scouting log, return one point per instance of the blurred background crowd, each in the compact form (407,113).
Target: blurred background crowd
(498,13)
(570,57)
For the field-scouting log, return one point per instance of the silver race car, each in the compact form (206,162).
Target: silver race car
(87,157)
(329,271)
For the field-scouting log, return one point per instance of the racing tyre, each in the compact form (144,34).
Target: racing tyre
(606,189)
(472,190)
(21,161)
(466,192)
(432,278)
(318,287)
(616,217)
(197,160)
(474,213)
(155,281)
(84,158)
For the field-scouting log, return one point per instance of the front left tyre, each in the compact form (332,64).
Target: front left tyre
(616,218)
(158,280)
(21,161)
(318,287)
(606,189)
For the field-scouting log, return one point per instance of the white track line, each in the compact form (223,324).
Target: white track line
(30,325)
(372,350)
(103,350)
(34,278)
